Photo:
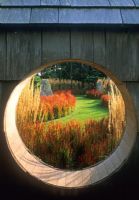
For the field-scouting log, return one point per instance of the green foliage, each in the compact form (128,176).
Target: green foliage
(37,81)
(72,71)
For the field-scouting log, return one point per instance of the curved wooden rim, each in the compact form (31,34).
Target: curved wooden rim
(62,178)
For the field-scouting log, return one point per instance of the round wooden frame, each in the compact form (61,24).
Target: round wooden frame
(61,178)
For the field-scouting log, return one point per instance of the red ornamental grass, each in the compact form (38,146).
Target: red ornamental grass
(59,104)
(70,145)
(105,99)
(93,93)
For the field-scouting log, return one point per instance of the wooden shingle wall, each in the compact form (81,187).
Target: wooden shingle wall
(133,88)
(23,51)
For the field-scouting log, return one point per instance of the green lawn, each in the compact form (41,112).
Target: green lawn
(86,108)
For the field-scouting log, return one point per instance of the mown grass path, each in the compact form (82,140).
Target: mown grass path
(86,108)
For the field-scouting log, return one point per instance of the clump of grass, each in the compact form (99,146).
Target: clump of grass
(68,146)
(60,104)
(116,112)
(28,105)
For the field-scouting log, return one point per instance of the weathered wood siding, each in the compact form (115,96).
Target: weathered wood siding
(23,51)
(55,45)
(133,88)
(3,55)
(82,45)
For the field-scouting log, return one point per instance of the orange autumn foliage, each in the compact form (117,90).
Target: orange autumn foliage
(70,145)
(58,105)
(105,99)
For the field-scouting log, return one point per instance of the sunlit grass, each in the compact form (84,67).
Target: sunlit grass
(86,108)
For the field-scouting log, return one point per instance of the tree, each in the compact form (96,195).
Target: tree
(73,71)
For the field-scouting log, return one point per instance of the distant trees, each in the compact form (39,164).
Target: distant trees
(72,71)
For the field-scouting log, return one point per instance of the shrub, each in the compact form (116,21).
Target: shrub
(93,93)
(78,87)
(58,105)
(71,145)
(105,99)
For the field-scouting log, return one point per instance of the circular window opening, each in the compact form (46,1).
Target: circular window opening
(74,115)
(70,121)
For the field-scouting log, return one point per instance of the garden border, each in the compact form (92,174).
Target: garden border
(67,178)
